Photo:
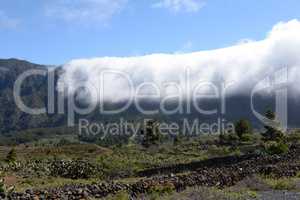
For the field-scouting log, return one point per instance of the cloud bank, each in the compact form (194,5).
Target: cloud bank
(244,64)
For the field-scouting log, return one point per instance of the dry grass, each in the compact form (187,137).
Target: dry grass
(71,151)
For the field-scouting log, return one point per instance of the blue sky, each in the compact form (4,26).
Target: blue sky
(57,31)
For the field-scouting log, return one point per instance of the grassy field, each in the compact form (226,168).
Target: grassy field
(33,168)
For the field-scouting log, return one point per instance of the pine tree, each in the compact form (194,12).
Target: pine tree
(273,132)
(242,127)
(151,134)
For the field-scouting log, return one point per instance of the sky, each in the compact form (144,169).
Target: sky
(57,31)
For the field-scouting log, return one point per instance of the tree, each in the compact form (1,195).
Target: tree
(273,132)
(242,127)
(270,115)
(151,134)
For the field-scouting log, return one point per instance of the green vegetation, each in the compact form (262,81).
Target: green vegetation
(281,184)
(11,156)
(45,161)
(273,147)
(205,193)
(229,139)
(119,196)
(273,132)
(275,139)
(242,127)
(294,137)
(151,134)
(191,193)
(243,134)
(160,190)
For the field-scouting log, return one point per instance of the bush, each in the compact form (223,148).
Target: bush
(294,137)
(122,195)
(273,135)
(11,156)
(231,139)
(64,142)
(2,186)
(247,138)
(117,165)
(151,134)
(273,132)
(284,185)
(242,127)
(273,148)
(167,188)
(281,184)
(213,150)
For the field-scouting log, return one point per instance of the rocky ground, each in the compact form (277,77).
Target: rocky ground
(279,195)
(207,173)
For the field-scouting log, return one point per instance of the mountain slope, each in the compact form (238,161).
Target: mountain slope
(34,94)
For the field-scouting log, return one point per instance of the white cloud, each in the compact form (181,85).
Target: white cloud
(84,10)
(7,22)
(180,5)
(244,63)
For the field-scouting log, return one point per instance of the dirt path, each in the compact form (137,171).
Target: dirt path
(279,195)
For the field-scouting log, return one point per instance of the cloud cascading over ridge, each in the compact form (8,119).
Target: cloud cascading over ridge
(244,64)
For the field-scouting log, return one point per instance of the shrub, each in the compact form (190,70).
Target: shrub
(4,190)
(213,150)
(236,152)
(276,148)
(119,196)
(281,184)
(11,156)
(294,137)
(242,127)
(231,139)
(117,165)
(151,134)
(284,185)
(64,142)
(247,138)
(2,186)
(167,188)
(273,132)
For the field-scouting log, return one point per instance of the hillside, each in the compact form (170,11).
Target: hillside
(34,94)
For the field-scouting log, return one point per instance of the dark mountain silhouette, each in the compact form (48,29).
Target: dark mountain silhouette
(34,94)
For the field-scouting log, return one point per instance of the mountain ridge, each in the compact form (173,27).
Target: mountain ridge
(34,94)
